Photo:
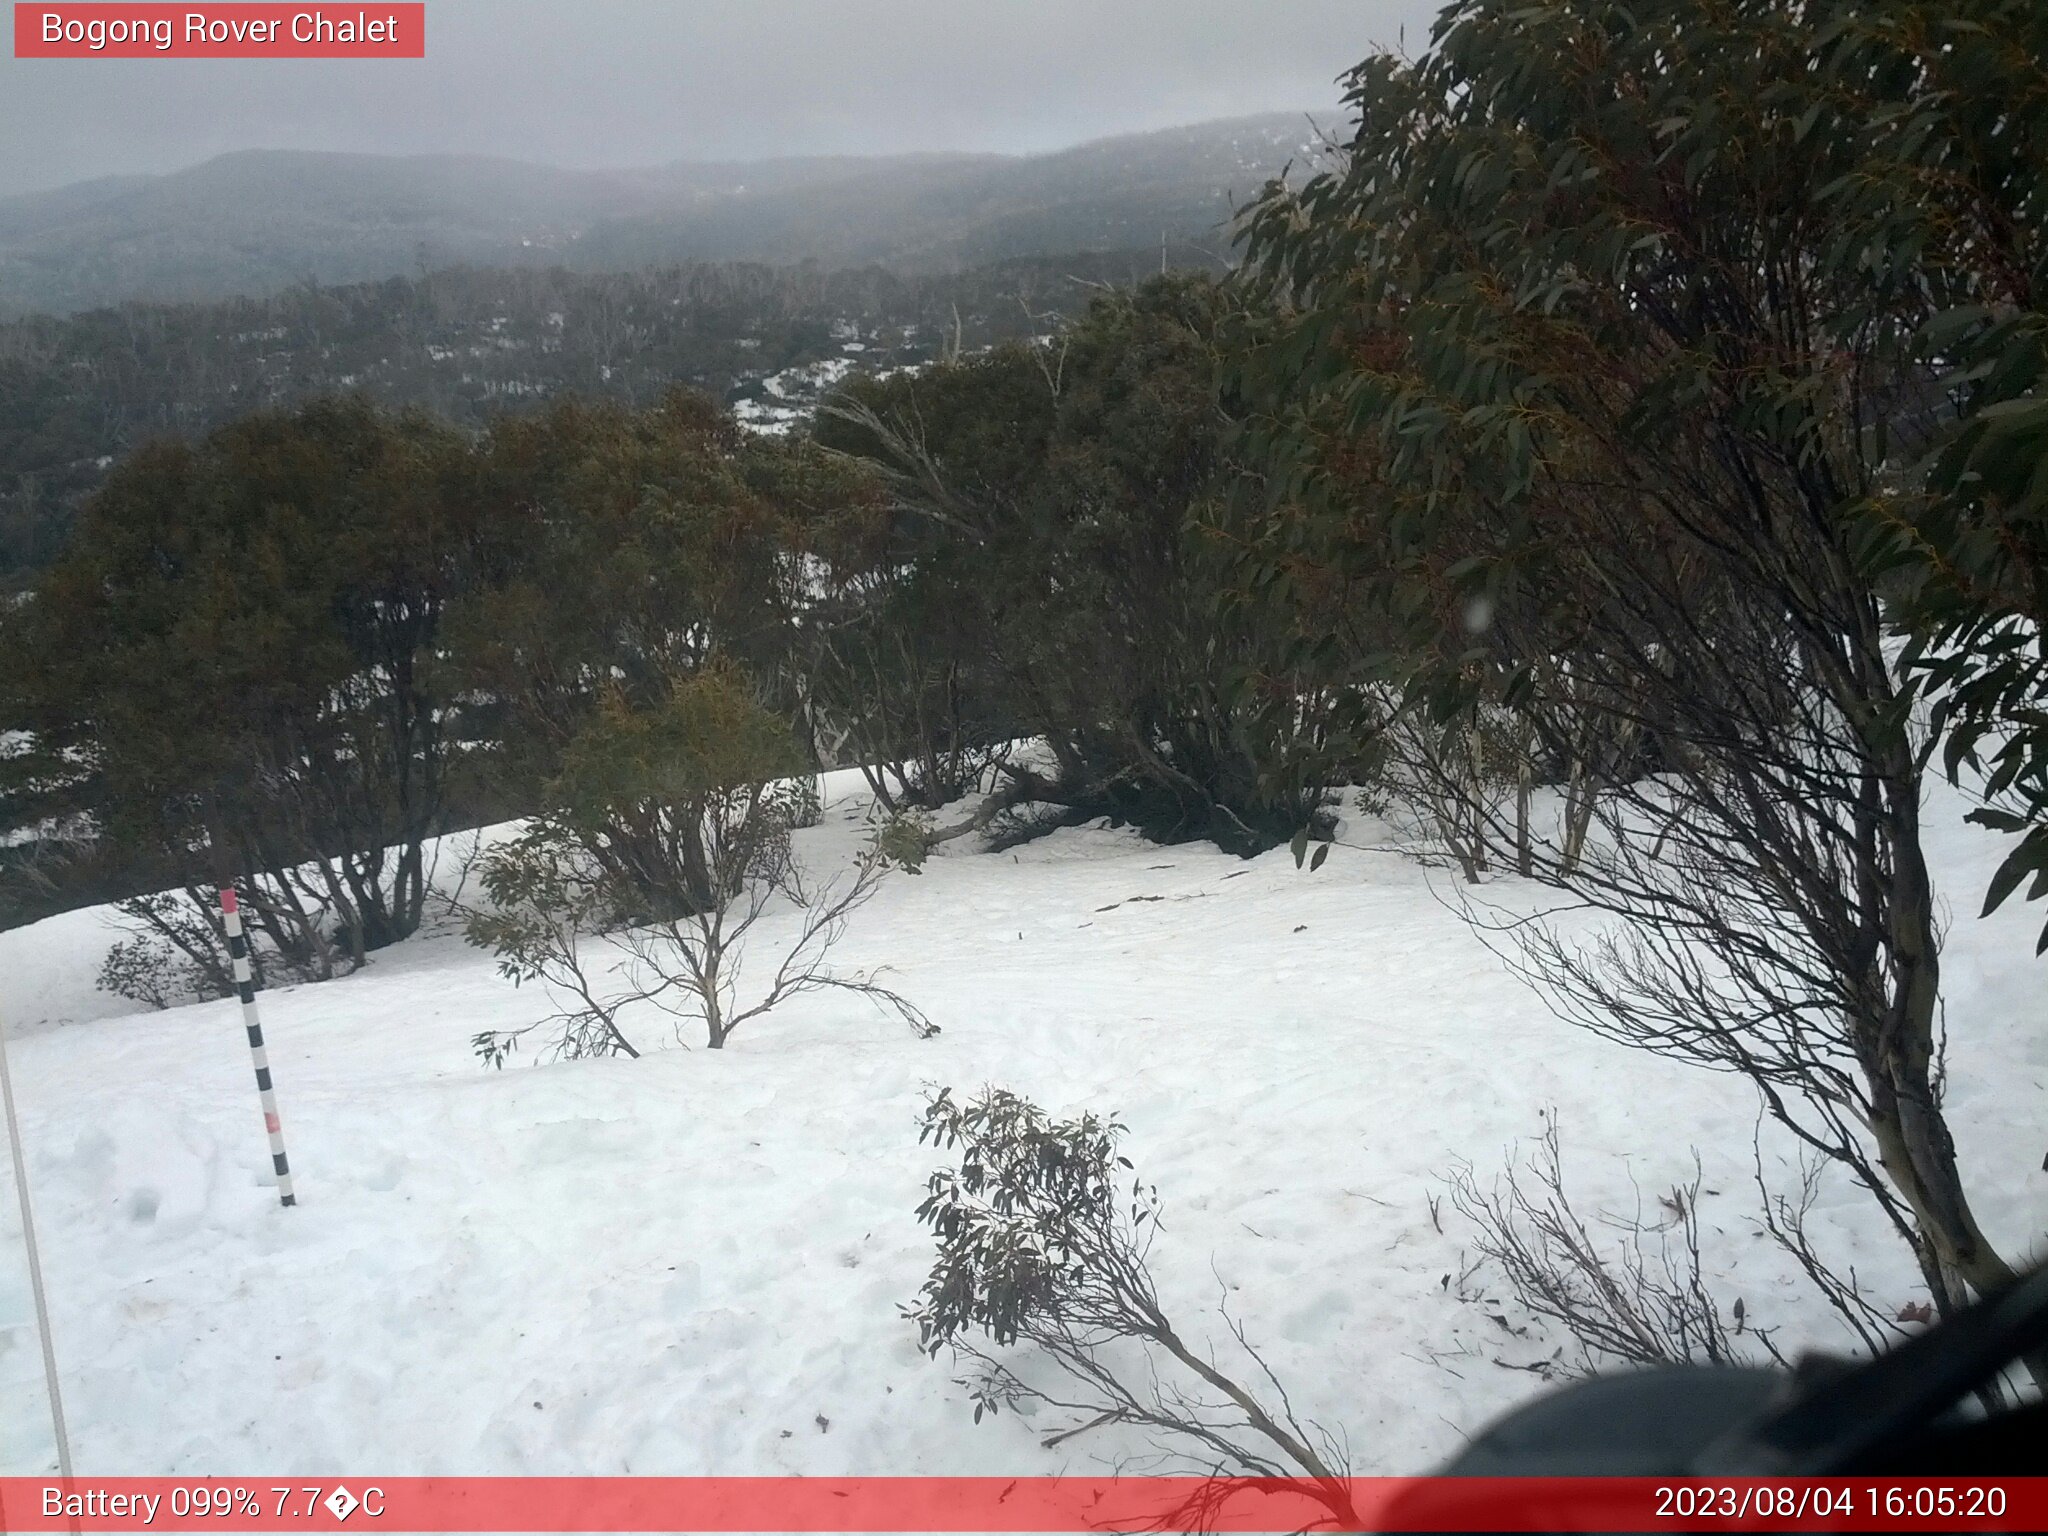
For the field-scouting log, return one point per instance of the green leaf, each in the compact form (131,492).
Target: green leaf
(2009,875)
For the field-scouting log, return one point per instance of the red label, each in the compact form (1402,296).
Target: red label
(261,31)
(1019,1504)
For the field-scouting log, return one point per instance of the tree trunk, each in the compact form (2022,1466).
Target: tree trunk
(1898,1053)
(1525,853)
(1476,751)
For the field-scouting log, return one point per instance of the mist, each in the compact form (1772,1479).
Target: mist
(605,83)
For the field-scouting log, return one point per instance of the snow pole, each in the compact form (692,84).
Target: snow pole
(245,988)
(35,1268)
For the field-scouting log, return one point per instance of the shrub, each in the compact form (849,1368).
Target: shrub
(670,838)
(1043,1230)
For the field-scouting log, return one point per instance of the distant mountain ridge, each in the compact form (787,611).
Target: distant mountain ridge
(257,221)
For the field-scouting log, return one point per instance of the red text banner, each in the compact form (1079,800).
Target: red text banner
(110,30)
(994,1504)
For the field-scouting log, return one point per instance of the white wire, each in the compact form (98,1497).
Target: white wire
(35,1265)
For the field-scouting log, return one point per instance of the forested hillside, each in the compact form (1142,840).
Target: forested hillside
(78,393)
(255,222)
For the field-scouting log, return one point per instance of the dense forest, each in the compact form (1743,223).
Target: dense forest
(77,393)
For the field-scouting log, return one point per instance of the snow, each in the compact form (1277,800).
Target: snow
(768,419)
(807,381)
(693,1262)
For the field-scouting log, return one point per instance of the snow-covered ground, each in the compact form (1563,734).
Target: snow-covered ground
(693,1262)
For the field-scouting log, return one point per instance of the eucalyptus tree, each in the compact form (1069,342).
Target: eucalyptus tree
(238,657)
(1588,369)
(1064,516)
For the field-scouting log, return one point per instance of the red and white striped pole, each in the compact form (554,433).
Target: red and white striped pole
(245,988)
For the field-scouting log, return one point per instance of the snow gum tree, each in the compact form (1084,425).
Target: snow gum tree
(631,636)
(238,661)
(666,841)
(1959,173)
(621,549)
(1062,514)
(1592,366)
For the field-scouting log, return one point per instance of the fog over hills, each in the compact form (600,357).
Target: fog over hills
(257,221)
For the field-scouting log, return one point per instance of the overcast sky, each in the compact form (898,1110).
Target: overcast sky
(634,82)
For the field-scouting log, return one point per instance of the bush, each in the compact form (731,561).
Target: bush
(1641,1299)
(905,840)
(669,837)
(237,664)
(143,970)
(1043,1230)
(1064,573)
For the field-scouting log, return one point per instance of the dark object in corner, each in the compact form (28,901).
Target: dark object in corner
(1910,1412)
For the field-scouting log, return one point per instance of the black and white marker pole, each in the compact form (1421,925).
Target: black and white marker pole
(245,988)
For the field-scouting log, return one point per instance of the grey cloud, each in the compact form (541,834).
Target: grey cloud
(631,82)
